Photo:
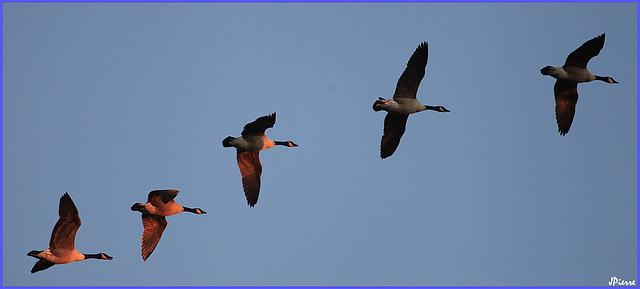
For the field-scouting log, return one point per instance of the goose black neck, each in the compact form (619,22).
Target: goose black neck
(436,108)
(94,256)
(195,211)
(282,143)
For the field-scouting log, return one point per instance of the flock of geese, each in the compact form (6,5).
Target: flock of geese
(160,203)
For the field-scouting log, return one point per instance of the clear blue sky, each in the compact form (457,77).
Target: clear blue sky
(108,102)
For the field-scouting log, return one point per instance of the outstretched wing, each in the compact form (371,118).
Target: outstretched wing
(251,170)
(154,226)
(410,79)
(41,265)
(394,126)
(259,125)
(164,196)
(64,232)
(581,56)
(566,94)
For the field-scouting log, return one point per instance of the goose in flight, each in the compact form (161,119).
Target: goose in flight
(568,76)
(159,204)
(252,141)
(404,102)
(61,245)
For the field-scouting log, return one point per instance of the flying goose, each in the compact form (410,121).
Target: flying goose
(159,204)
(61,245)
(568,76)
(404,101)
(247,147)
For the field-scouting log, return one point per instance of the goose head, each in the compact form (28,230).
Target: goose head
(105,256)
(607,79)
(441,108)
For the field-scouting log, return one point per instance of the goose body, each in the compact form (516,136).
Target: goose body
(61,245)
(248,146)
(568,76)
(67,257)
(252,143)
(404,101)
(159,204)
(400,105)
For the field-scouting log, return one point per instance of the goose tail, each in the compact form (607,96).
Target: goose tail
(227,141)
(138,207)
(547,70)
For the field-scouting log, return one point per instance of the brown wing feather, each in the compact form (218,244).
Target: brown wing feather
(394,127)
(410,79)
(64,232)
(251,170)
(153,225)
(566,94)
